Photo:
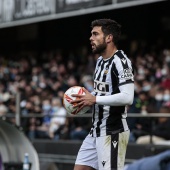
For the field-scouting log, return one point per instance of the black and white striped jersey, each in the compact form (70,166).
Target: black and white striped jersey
(109,75)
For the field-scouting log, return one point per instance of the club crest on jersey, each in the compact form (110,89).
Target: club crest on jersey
(106,71)
(127,74)
(101,87)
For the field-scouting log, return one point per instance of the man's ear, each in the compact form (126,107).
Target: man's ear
(109,38)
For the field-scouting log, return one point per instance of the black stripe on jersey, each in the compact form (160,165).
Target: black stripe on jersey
(114,121)
(100,116)
(114,79)
(95,94)
(99,64)
(127,81)
(93,118)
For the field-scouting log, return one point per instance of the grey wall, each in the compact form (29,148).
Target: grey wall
(13,145)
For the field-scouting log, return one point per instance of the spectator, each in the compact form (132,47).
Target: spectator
(80,128)
(166,83)
(87,82)
(41,131)
(160,131)
(140,103)
(159,98)
(138,126)
(59,117)
(3,109)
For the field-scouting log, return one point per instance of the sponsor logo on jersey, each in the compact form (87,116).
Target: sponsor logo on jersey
(101,87)
(127,74)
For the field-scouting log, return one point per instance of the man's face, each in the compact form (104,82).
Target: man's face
(97,40)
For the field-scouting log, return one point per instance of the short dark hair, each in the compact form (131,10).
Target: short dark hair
(109,26)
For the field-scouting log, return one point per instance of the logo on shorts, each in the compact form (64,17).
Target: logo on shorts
(103,163)
(114,144)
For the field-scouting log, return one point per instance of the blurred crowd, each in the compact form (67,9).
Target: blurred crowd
(152,95)
(42,79)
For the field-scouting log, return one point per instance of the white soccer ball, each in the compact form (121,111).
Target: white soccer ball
(67,98)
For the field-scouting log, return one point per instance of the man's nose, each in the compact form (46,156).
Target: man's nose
(90,38)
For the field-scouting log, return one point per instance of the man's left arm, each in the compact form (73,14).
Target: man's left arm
(125,97)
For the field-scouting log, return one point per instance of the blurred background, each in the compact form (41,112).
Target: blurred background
(45,49)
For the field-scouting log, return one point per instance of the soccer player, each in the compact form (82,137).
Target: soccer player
(104,148)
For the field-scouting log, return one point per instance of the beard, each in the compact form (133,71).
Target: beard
(100,48)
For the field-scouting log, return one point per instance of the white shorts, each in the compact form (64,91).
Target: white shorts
(105,152)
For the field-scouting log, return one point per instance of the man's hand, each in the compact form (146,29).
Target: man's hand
(83,100)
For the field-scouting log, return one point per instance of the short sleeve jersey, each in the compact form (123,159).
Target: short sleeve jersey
(109,75)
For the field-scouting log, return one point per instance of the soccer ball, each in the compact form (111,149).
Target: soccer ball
(67,98)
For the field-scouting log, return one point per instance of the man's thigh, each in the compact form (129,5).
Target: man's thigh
(87,155)
(111,151)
